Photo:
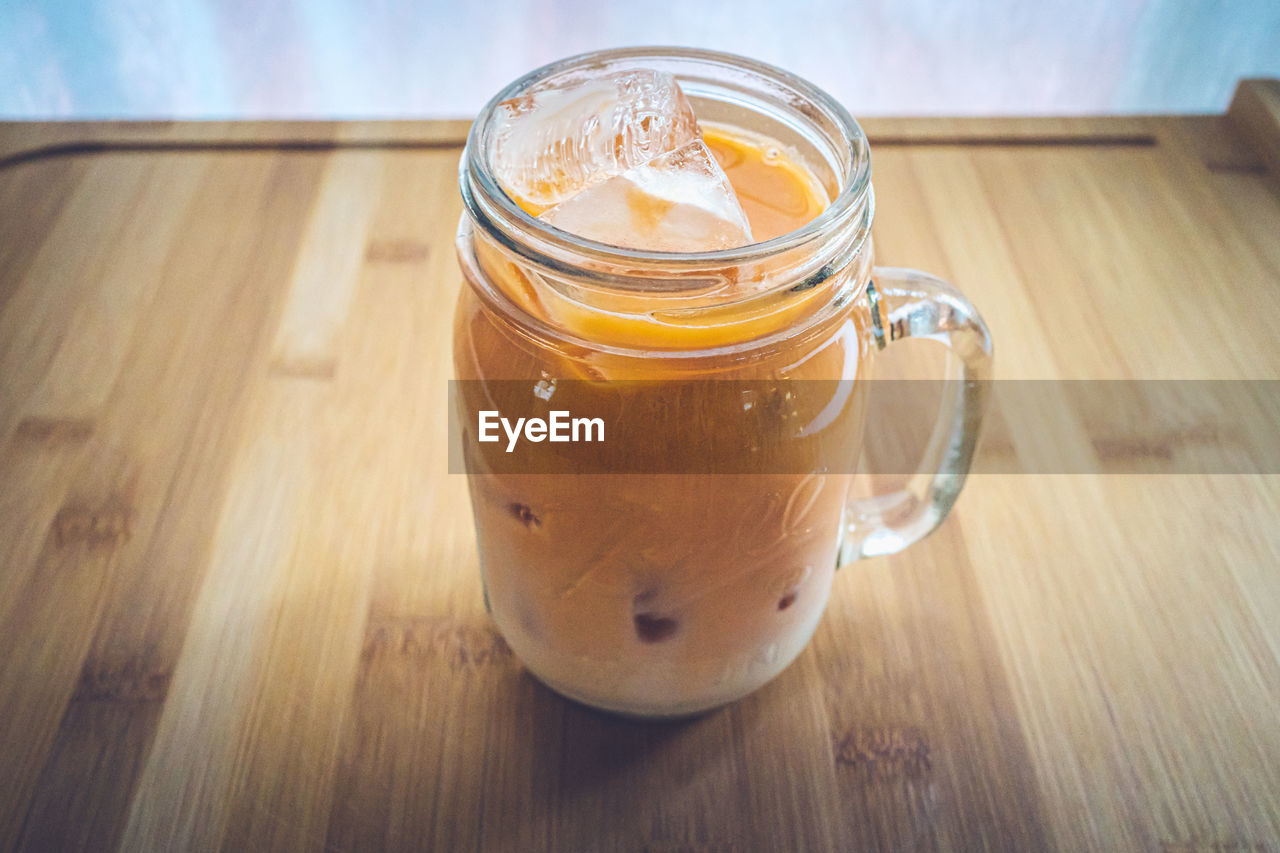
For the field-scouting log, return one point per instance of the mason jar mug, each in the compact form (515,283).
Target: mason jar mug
(677,551)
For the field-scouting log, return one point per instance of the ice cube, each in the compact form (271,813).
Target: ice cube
(556,140)
(678,202)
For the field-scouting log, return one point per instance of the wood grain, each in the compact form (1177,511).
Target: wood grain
(239,600)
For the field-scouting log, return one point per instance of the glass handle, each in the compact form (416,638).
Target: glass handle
(907,303)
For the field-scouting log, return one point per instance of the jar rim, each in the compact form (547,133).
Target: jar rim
(486,201)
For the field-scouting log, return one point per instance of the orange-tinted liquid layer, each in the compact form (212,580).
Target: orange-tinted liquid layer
(778,193)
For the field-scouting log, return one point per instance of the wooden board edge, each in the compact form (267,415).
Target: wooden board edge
(1010,130)
(1255,114)
(24,141)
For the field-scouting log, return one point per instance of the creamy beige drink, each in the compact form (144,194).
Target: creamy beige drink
(659,594)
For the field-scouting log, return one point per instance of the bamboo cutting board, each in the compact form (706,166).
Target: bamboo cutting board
(239,601)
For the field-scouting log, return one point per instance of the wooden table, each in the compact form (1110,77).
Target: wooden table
(239,602)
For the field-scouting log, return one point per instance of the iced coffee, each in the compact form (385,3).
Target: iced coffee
(629,278)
